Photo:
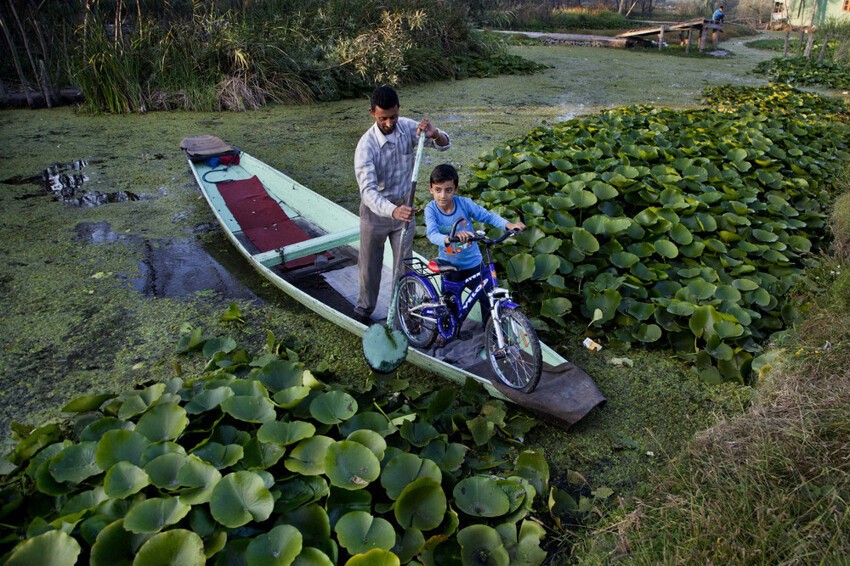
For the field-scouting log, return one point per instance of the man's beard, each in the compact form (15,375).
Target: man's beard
(387,130)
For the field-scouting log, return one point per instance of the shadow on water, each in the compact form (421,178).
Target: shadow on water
(169,268)
(65,182)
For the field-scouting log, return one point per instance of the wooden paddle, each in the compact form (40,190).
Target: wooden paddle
(385,348)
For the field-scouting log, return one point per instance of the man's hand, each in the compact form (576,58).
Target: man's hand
(515,226)
(404,213)
(430,130)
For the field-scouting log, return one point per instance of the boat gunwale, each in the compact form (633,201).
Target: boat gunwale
(419,358)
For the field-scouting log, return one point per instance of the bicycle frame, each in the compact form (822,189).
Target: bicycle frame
(448,322)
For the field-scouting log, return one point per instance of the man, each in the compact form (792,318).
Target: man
(718,15)
(383,165)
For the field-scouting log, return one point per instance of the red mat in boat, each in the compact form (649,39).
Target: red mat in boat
(261,218)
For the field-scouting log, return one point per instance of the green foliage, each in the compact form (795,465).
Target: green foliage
(541,17)
(329,477)
(690,226)
(202,56)
(806,72)
(772,98)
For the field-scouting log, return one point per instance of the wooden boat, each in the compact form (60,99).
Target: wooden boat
(301,242)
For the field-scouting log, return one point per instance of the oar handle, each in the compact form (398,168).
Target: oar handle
(416,163)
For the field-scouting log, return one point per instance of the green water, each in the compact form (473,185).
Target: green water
(73,320)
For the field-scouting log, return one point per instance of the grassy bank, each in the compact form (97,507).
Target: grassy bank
(769,486)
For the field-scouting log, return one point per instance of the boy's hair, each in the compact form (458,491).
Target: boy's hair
(384,96)
(443,173)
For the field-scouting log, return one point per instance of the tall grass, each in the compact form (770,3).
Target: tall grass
(771,486)
(209,58)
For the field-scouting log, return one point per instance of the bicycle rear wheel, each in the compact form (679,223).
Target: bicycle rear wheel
(412,293)
(520,363)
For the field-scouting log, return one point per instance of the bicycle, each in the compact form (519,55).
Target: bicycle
(512,345)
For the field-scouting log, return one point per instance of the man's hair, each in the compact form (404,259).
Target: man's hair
(384,96)
(443,173)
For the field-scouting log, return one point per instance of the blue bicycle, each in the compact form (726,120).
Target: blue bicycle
(512,346)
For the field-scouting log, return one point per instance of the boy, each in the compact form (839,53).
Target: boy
(440,216)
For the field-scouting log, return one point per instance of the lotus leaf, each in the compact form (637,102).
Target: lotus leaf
(481,544)
(75,463)
(96,429)
(285,433)
(745,284)
(350,465)
(152,515)
(260,455)
(53,548)
(219,344)
(624,260)
(87,403)
(703,320)
(308,456)
(604,191)
(547,245)
(124,479)
(481,496)
(313,523)
(208,399)
(607,302)
(666,248)
(412,542)
(137,402)
(199,478)
(498,183)
(333,407)
(120,445)
(421,505)
(404,469)
(278,547)
(371,440)
(359,532)
(728,293)
(311,556)
(647,332)
(291,396)
(163,422)
(249,408)
(219,455)
(582,198)
(375,557)
(367,420)
(177,547)
(557,178)
(419,434)
(239,498)
(449,457)
(555,308)
(584,241)
(281,374)
(545,266)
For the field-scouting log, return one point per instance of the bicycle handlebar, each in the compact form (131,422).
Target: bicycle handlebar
(480,236)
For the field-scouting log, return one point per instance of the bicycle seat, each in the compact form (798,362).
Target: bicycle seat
(440,266)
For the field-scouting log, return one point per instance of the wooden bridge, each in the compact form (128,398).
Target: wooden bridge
(682,32)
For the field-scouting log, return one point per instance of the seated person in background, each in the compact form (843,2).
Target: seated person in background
(440,216)
(718,15)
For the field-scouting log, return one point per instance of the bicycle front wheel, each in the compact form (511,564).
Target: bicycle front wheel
(520,362)
(412,293)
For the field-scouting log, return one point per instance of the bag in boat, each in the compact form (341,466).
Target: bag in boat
(211,149)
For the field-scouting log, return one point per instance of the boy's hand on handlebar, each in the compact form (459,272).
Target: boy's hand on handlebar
(463,236)
(515,226)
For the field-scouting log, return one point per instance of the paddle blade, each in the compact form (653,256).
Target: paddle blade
(384,349)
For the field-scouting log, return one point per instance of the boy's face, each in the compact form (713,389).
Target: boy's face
(443,194)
